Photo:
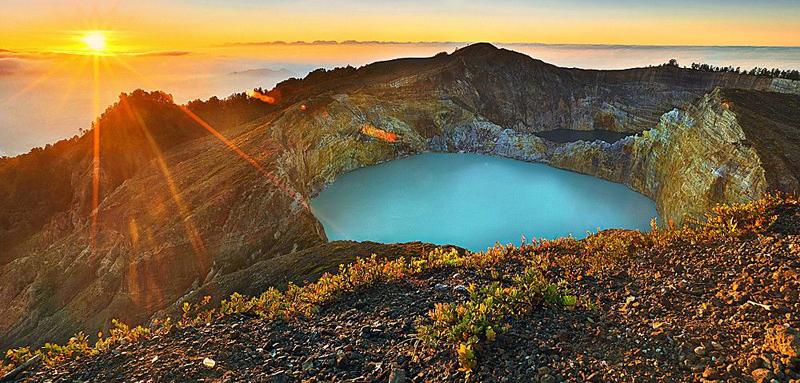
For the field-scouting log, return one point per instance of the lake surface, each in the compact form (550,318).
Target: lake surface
(473,201)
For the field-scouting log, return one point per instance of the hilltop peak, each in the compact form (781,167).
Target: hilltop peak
(477,49)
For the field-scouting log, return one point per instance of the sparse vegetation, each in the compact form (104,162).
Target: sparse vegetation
(79,345)
(790,74)
(465,326)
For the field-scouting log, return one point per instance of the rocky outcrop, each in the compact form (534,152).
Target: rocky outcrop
(690,161)
(200,210)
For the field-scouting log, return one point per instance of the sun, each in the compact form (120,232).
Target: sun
(95,41)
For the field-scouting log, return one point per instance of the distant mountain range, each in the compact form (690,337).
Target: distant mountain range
(264,72)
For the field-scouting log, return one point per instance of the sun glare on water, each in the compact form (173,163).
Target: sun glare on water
(95,41)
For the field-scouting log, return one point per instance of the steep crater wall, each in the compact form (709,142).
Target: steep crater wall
(687,149)
(689,161)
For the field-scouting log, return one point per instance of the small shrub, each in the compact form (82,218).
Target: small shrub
(464,326)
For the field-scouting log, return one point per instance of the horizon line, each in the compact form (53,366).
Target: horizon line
(517,43)
(20,53)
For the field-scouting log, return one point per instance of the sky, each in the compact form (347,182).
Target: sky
(201,48)
(169,25)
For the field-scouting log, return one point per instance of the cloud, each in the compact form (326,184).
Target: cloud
(159,53)
(333,42)
(9,66)
(7,54)
(17,63)
(263,72)
(44,55)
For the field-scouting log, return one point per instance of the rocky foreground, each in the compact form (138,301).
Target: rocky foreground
(716,301)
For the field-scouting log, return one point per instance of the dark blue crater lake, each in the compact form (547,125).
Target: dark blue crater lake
(473,201)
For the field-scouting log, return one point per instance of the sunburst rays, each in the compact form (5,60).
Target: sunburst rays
(95,151)
(257,165)
(101,68)
(191,230)
(270,176)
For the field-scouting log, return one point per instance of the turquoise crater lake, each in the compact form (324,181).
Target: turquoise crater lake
(473,201)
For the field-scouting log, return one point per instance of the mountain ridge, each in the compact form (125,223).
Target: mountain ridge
(197,212)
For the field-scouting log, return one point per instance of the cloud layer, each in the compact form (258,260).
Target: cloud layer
(334,42)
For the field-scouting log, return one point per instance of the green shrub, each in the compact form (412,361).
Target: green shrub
(464,326)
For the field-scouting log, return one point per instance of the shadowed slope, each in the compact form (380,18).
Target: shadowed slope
(771,122)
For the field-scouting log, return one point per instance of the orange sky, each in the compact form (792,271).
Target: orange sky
(194,48)
(147,25)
